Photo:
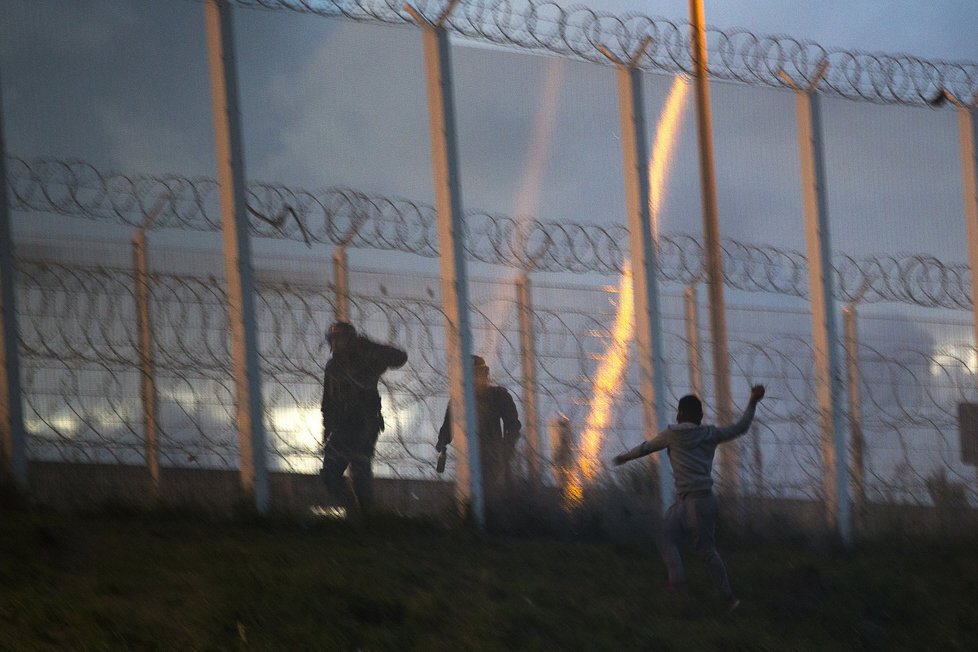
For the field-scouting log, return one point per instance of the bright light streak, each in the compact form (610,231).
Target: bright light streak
(957,357)
(611,370)
(328,513)
(663,149)
(606,386)
(304,426)
(182,396)
(539,150)
(537,155)
(60,424)
(66,424)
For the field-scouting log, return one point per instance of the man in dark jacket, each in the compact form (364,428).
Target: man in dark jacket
(498,429)
(352,418)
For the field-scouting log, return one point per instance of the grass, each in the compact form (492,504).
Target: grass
(179,582)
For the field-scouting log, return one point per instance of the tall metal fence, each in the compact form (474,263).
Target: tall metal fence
(80,349)
(97,318)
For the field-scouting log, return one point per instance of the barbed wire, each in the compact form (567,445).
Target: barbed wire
(346,217)
(81,369)
(736,54)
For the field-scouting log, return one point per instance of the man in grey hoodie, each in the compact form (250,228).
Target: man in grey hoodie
(690,447)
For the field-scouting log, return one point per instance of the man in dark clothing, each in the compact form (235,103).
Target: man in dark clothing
(690,447)
(352,418)
(498,429)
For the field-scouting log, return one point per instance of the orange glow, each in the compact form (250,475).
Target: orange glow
(607,382)
(537,155)
(611,369)
(663,150)
(539,149)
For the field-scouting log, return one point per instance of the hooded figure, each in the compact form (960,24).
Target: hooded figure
(498,426)
(352,418)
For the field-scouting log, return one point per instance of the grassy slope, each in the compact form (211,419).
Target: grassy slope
(176,583)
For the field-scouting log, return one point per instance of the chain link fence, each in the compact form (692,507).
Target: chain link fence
(911,356)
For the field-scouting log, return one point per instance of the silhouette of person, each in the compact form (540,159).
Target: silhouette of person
(690,447)
(352,417)
(498,427)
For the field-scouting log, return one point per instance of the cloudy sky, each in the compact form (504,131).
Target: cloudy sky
(943,29)
(123,84)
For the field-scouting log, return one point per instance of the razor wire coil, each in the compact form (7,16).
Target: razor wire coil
(737,55)
(346,217)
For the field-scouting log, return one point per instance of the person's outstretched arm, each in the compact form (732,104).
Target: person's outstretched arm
(390,356)
(740,427)
(657,443)
(377,358)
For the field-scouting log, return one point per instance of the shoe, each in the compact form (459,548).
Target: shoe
(732,604)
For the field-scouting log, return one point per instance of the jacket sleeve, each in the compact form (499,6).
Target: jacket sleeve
(736,429)
(445,433)
(391,357)
(654,445)
(647,447)
(376,358)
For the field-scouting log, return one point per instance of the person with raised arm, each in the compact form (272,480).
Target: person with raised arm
(690,446)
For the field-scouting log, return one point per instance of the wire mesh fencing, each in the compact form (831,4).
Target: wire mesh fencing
(349,171)
(82,373)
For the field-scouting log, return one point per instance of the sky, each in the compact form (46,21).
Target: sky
(943,29)
(331,102)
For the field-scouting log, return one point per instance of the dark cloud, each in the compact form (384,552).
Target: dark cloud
(124,84)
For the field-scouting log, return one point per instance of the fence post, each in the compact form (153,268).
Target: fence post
(828,381)
(850,324)
(729,454)
(528,357)
(693,339)
(563,451)
(968,141)
(455,294)
(144,324)
(13,436)
(968,137)
(237,251)
(643,254)
(341,284)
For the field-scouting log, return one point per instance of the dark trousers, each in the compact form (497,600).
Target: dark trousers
(353,449)
(694,514)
